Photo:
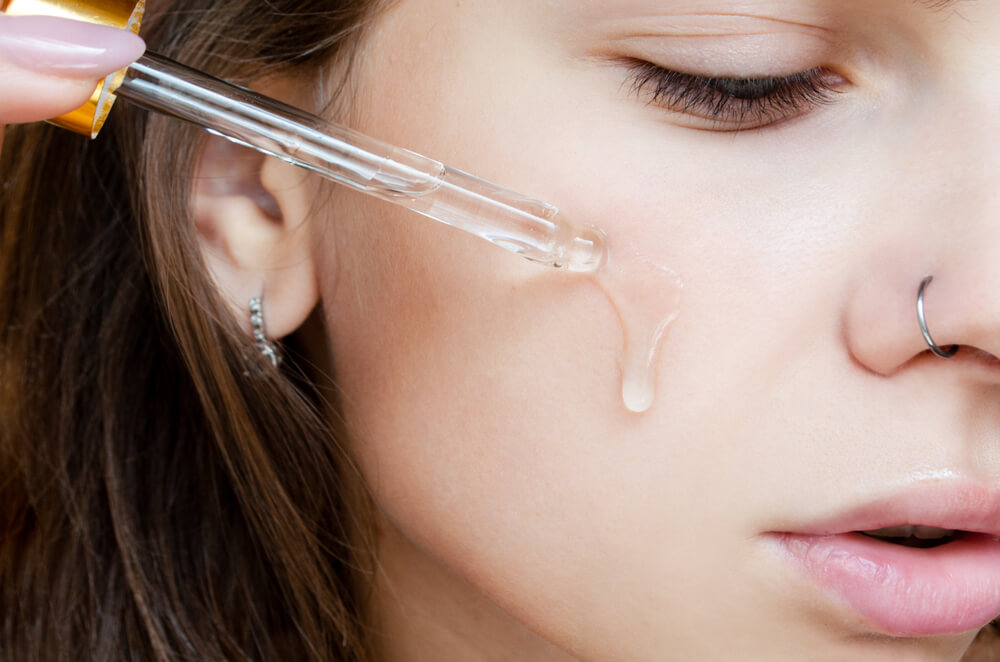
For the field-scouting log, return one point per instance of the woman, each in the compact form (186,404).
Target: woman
(442,467)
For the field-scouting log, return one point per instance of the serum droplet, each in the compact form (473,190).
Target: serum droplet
(646,296)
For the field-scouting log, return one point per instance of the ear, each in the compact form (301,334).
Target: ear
(250,212)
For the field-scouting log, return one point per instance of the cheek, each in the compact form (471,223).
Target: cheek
(459,367)
(482,393)
(470,377)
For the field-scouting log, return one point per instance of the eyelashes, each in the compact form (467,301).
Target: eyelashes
(734,104)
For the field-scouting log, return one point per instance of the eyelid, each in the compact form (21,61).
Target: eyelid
(728,44)
(731,103)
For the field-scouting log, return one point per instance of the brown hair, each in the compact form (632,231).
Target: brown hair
(159,499)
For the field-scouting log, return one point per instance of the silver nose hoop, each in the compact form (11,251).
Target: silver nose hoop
(922,318)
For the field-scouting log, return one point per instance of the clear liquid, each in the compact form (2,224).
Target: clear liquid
(646,296)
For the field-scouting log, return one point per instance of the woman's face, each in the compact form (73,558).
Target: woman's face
(527,510)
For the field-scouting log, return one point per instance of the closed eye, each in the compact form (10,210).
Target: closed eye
(734,104)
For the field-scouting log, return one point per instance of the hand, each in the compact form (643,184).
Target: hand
(49,66)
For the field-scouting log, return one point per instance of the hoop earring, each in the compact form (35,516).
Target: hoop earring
(264,344)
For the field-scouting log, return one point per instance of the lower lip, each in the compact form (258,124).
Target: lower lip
(903,591)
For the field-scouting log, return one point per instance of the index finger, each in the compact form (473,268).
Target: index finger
(50,66)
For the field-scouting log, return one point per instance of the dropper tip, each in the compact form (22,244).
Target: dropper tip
(587,251)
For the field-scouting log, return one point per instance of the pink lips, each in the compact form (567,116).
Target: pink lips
(904,591)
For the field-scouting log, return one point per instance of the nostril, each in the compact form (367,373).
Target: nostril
(982,356)
(973,356)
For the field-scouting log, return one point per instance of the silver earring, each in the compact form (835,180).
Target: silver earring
(264,344)
(943,353)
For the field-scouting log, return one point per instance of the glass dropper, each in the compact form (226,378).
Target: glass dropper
(520,224)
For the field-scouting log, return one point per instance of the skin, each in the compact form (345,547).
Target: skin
(524,513)
(518,494)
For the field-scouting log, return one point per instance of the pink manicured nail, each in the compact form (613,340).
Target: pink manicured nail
(61,47)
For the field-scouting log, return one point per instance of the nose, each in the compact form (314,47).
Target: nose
(952,235)
(961,309)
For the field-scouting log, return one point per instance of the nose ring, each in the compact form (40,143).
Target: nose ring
(943,353)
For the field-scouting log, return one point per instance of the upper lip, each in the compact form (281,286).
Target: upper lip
(969,508)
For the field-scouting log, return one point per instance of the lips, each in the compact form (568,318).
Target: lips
(946,580)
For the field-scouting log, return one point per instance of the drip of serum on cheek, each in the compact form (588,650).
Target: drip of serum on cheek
(646,296)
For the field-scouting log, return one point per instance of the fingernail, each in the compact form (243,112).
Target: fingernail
(62,47)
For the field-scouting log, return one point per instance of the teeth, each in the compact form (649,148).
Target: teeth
(922,532)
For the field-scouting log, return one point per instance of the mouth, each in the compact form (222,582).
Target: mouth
(924,564)
(918,536)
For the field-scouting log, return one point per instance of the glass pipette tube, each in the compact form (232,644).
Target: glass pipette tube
(525,226)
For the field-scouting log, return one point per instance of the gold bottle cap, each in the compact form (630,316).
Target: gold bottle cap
(88,119)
